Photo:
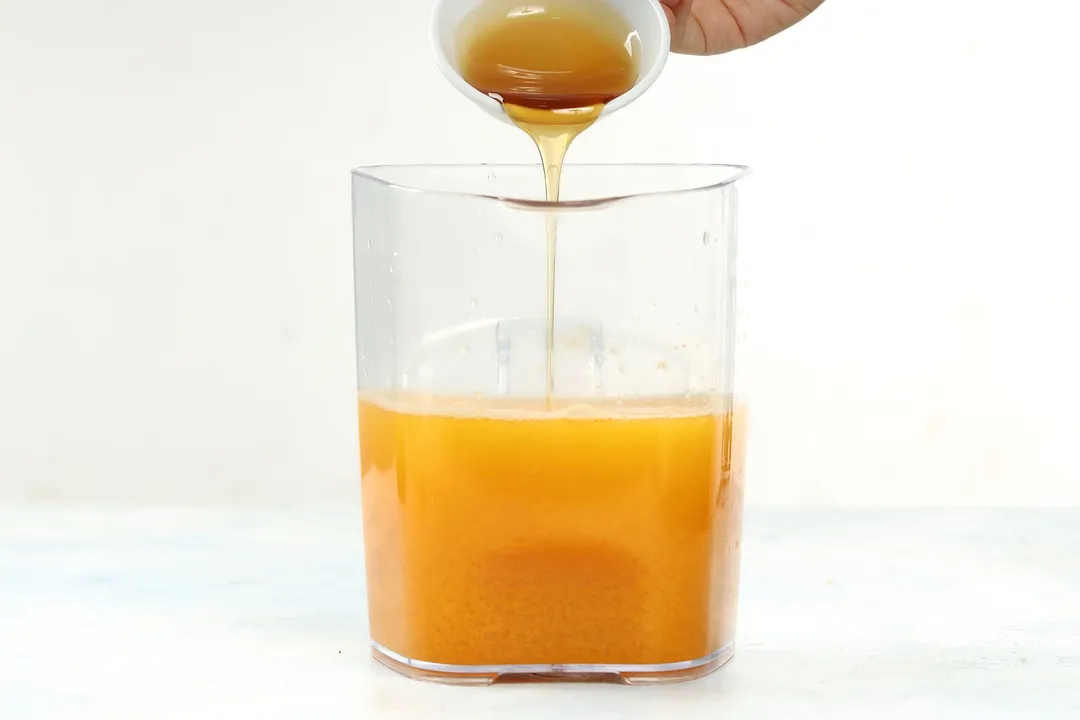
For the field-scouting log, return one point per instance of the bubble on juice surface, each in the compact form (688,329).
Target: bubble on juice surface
(584,411)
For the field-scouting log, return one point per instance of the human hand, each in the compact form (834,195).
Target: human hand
(711,27)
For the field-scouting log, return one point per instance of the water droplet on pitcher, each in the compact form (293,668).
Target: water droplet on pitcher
(497,237)
(391,269)
(706,238)
(473,302)
(695,309)
(394,253)
(491,177)
(368,242)
(661,366)
(389,302)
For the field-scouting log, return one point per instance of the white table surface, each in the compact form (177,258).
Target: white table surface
(194,613)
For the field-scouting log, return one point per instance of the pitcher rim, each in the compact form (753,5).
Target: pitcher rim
(736,173)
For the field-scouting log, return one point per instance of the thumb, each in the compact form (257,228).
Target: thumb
(678,13)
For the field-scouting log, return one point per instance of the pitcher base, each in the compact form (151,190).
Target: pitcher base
(572,672)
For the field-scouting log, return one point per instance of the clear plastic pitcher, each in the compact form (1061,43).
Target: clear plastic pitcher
(544,505)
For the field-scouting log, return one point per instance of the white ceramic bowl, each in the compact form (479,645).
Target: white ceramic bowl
(646,17)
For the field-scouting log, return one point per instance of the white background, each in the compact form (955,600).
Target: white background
(175,259)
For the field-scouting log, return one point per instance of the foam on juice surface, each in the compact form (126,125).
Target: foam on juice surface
(653,407)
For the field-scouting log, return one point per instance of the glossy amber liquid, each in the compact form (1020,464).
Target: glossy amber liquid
(599,533)
(554,65)
(548,55)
